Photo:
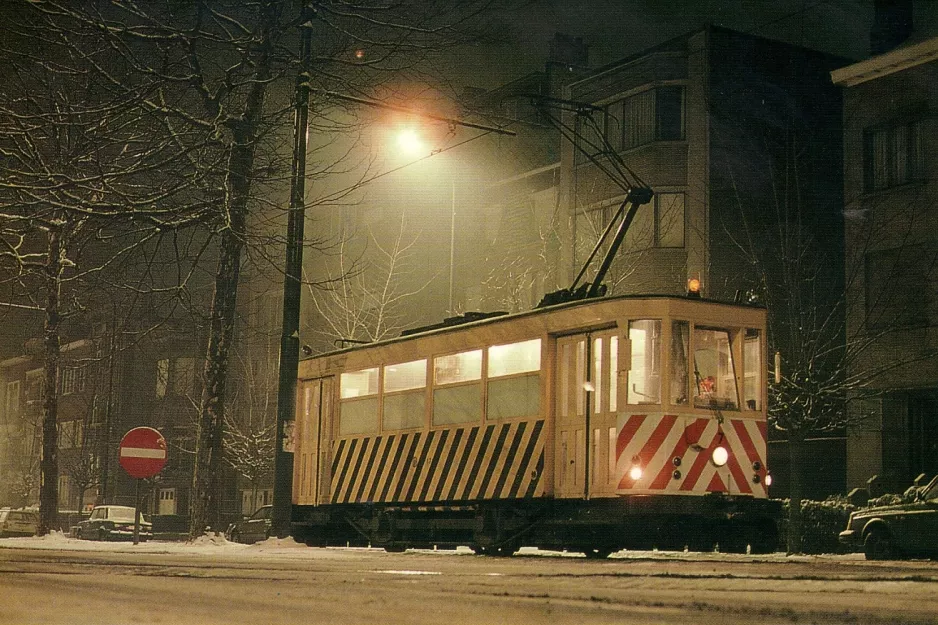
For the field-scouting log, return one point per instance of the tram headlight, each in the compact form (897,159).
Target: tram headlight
(768,479)
(636,472)
(720,456)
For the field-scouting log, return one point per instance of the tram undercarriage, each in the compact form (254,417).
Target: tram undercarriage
(596,527)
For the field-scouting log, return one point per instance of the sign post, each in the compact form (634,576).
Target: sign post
(142,454)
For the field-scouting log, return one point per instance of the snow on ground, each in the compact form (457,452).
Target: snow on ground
(217,546)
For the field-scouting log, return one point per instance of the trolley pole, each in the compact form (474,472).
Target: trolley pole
(290,334)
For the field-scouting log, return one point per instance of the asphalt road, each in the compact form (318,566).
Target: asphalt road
(442,588)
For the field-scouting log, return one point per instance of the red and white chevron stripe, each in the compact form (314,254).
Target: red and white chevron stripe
(653,441)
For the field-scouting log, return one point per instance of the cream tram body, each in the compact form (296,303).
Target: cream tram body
(608,415)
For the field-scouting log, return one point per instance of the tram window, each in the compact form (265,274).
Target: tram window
(514,386)
(463,367)
(359,416)
(680,335)
(752,369)
(358,412)
(457,404)
(613,372)
(404,410)
(714,374)
(358,383)
(457,393)
(514,358)
(645,372)
(405,376)
(405,397)
(514,397)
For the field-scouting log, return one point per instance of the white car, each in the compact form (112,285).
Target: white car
(113,523)
(18,522)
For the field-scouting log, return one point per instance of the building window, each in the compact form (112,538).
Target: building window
(175,376)
(653,115)
(657,224)
(895,286)
(167,503)
(73,380)
(893,155)
(13,400)
(70,434)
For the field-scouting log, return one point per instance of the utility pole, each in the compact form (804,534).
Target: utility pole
(290,333)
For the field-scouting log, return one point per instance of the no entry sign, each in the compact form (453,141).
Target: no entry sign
(142,452)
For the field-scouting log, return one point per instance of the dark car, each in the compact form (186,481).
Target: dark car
(251,529)
(897,531)
(112,523)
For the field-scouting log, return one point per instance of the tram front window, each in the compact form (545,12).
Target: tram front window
(714,375)
(645,372)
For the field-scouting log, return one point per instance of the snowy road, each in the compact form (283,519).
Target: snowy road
(60,580)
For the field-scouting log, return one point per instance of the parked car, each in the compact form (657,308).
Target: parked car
(897,531)
(18,522)
(251,529)
(113,523)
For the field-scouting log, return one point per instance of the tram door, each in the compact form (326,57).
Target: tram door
(312,443)
(586,395)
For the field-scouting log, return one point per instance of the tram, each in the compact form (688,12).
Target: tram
(593,425)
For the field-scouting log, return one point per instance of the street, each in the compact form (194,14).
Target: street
(280,582)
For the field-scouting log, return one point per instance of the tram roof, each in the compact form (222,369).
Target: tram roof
(475,320)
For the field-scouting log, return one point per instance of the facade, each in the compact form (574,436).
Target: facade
(105,388)
(716,123)
(890,200)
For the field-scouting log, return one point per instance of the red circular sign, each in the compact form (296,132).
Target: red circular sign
(142,452)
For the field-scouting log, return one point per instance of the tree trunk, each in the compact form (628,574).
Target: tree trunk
(205,504)
(795,492)
(49,463)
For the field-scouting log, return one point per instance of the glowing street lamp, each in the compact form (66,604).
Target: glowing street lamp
(410,142)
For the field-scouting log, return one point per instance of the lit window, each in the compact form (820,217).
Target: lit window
(514,358)
(713,369)
(645,373)
(405,397)
(457,396)
(516,389)
(358,383)
(752,370)
(358,408)
(680,335)
(453,368)
(405,376)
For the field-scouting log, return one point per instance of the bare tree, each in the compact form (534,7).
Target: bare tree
(793,249)
(250,420)
(206,85)
(362,298)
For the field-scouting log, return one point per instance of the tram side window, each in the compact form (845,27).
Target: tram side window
(514,380)
(752,369)
(457,388)
(645,370)
(714,374)
(358,406)
(680,336)
(404,395)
